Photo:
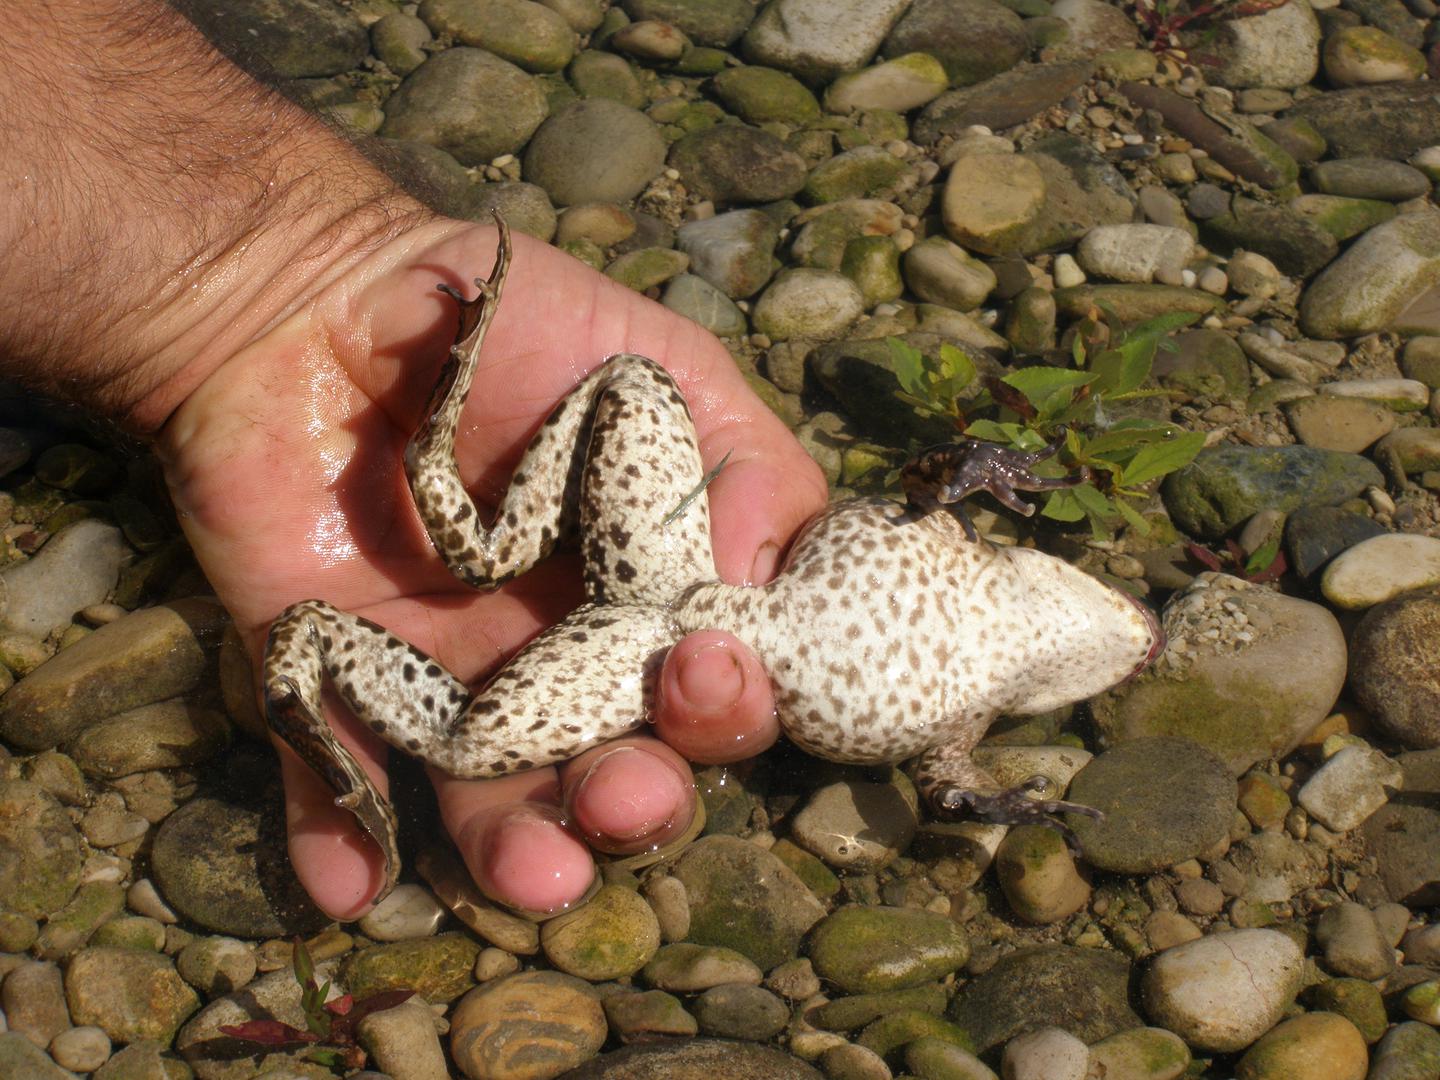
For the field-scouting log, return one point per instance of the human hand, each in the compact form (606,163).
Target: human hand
(286,468)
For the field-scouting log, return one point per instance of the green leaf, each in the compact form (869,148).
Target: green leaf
(1040,384)
(1119,441)
(303,966)
(1263,556)
(1121,370)
(909,366)
(1133,517)
(959,369)
(1092,502)
(996,431)
(1063,506)
(1157,459)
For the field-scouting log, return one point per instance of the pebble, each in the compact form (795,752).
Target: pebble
(75,569)
(990,201)
(1136,253)
(942,272)
(536,1023)
(1142,1053)
(216,966)
(1362,55)
(33,999)
(1048,1053)
(1380,569)
(740,1011)
(404,1043)
(732,251)
(734,163)
(1372,282)
(1370,178)
(743,897)
(804,303)
(816,45)
(612,936)
(81,1049)
(41,869)
(129,994)
(1223,991)
(1316,534)
(1350,425)
(901,84)
(855,826)
(410,911)
(1278,47)
(1395,667)
(594,151)
(467,102)
(1357,1001)
(20,1057)
(684,967)
(648,1014)
(1352,943)
(1408,1051)
(1402,395)
(1319,1045)
(437,968)
(1038,875)
(869,949)
(703,303)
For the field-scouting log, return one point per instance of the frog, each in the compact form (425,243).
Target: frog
(892,631)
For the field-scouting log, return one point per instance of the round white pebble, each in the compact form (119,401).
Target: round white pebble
(81,1049)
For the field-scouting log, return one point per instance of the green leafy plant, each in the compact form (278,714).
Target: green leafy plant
(1027,408)
(1266,563)
(330,1026)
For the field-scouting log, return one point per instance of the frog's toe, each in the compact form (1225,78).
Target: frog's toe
(1014,806)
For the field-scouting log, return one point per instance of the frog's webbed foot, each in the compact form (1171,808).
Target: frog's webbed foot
(1014,806)
(944,475)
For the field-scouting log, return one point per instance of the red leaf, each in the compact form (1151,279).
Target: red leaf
(1277,566)
(268,1033)
(340,1006)
(1204,556)
(386,999)
(1008,396)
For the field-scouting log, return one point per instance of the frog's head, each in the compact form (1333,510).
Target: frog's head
(1081,635)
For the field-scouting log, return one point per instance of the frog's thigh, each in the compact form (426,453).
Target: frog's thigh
(639,544)
(585,681)
(949,766)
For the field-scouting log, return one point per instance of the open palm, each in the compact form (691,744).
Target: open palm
(287,471)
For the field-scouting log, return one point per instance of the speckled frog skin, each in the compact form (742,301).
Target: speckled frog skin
(889,633)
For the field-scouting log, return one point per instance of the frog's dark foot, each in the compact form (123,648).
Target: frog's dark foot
(1014,806)
(944,475)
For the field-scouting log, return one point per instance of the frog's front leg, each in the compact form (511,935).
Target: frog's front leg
(612,462)
(951,781)
(580,683)
(945,475)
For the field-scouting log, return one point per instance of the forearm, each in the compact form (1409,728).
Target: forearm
(163,208)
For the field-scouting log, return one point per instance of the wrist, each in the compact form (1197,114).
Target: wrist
(167,207)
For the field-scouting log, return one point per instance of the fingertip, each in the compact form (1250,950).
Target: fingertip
(340,869)
(716,702)
(628,798)
(523,856)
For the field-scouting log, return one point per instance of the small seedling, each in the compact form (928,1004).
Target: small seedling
(1265,564)
(331,1026)
(1162,21)
(1027,408)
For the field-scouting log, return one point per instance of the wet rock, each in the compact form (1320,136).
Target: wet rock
(1356,1000)
(83,1049)
(1352,942)
(732,251)
(399,40)
(165,735)
(733,163)
(972,39)
(1222,991)
(1401,395)
(39,851)
(1316,534)
(33,997)
(216,965)
(404,1043)
(991,201)
(1349,425)
(94,903)
(1297,244)
(696,1059)
(1339,216)
(612,936)
(537,1023)
(703,303)
(1083,991)
(684,966)
(1395,667)
(76,568)
(525,207)
(869,949)
(1320,1045)
(1416,450)
(942,272)
(223,867)
(647,268)
(1038,875)
(1363,55)
(1248,673)
(130,995)
(1205,363)
(1095,28)
(804,303)
(899,85)
(744,898)
(1147,1053)
(1391,120)
(1136,253)
(148,656)
(1001,101)
(302,40)
(1165,800)
(1226,485)
(739,1011)
(761,95)
(437,968)
(1135,303)
(1380,569)
(21,1057)
(1279,47)
(1235,144)
(819,44)
(467,102)
(1395,262)
(1369,178)
(410,911)
(526,34)
(1350,787)
(855,826)
(1409,1051)
(594,151)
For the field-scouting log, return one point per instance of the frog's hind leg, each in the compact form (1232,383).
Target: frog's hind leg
(950,781)
(617,456)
